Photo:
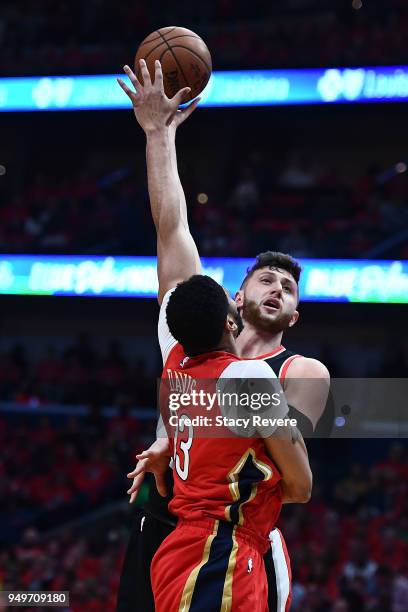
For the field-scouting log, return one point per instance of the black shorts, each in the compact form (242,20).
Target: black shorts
(135,590)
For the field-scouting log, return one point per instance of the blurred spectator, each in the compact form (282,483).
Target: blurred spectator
(359,568)
(295,243)
(353,560)
(102,36)
(245,195)
(306,209)
(298,174)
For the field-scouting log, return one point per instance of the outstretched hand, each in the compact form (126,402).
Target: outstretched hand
(155,460)
(153,109)
(183,113)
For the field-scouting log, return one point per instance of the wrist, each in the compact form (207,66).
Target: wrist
(154,132)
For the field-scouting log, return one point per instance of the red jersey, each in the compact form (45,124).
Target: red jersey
(227,478)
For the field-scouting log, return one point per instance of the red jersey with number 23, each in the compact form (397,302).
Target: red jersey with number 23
(227,478)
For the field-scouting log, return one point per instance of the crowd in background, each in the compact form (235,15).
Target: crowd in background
(348,546)
(57,468)
(88,565)
(78,374)
(302,206)
(308,208)
(57,37)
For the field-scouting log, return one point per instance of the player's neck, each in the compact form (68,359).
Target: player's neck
(229,346)
(252,342)
(228,343)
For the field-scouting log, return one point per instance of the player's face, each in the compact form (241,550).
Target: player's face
(269,300)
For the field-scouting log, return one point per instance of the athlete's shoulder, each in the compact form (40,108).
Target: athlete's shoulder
(307,367)
(248,368)
(176,357)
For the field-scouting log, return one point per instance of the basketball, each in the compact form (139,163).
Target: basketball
(184,56)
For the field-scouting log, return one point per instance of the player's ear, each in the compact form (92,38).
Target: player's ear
(230,324)
(294,318)
(239,298)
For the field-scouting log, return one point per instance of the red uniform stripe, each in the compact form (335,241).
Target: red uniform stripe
(285,366)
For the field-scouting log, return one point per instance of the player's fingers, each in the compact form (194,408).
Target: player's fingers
(144,455)
(133,491)
(137,482)
(178,97)
(147,81)
(158,75)
(133,78)
(186,112)
(131,94)
(148,455)
(141,467)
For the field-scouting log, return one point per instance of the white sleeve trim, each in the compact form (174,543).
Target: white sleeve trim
(248,368)
(166,340)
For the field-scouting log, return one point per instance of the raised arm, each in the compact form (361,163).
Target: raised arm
(177,253)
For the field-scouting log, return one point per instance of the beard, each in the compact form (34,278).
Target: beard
(251,312)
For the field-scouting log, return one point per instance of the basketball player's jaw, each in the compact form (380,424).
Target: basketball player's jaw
(261,320)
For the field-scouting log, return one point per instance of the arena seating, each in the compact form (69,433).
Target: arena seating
(100,36)
(307,209)
(347,545)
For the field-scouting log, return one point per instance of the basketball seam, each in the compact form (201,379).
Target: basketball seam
(151,50)
(194,53)
(157,37)
(182,36)
(175,58)
(164,53)
(164,41)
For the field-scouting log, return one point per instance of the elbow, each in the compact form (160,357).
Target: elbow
(305,492)
(304,495)
(301,494)
(298,492)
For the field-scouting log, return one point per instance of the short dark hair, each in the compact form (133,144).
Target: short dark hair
(274,259)
(196,314)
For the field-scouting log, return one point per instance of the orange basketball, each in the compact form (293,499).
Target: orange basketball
(184,56)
